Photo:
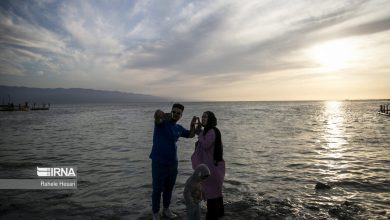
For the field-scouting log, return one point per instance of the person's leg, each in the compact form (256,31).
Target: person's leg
(221,208)
(193,212)
(168,185)
(212,209)
(159,176)
(190,211)
(197,215)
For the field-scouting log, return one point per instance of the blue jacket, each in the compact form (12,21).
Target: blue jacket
(165,136)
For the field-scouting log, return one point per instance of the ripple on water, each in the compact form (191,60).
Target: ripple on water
(278,153)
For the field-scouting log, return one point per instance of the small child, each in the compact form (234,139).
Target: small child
(193,191)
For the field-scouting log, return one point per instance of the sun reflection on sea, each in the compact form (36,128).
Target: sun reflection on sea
(334,131)
(335,140)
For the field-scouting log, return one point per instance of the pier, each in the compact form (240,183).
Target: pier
(10,107)
(384,110)
(37,107)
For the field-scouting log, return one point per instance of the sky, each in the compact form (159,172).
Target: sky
(220,50)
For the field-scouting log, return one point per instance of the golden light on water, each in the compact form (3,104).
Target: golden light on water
(335,138)
(334,131)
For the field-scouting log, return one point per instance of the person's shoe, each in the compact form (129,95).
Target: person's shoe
(156,216)
(168,213)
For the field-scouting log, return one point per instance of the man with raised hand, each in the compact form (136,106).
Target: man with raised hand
(164,156)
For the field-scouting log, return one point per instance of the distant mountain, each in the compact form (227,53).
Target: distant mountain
(74,95)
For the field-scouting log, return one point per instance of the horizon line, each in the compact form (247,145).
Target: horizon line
(178,99)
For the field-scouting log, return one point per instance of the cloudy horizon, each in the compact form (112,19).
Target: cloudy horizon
(205,50)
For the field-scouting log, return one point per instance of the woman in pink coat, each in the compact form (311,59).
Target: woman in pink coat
(209,150)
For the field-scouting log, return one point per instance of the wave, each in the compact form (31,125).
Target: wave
(16,165)
(367,186)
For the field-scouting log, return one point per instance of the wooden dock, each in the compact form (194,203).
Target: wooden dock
(10,107)
(384,110)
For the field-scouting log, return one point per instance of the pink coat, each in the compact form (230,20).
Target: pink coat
(204,150)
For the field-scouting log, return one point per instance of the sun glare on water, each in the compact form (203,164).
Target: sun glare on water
(334,55)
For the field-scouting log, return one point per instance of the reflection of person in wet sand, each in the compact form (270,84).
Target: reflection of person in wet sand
(209,150)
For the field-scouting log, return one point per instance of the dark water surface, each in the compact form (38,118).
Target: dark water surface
(274,151)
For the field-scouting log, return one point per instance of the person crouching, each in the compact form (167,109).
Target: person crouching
(193,191)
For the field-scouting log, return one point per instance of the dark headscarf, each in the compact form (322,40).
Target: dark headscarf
(218,148)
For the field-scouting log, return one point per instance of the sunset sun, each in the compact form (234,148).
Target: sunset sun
(333,55)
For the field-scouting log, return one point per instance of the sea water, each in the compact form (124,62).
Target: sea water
(273,150)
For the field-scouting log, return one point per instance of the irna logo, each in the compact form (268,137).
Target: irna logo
(56,171)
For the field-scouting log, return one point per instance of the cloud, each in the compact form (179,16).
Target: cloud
(18,32)
(372,27)
(247,37)
(158,44)
(27,47)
